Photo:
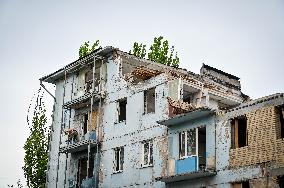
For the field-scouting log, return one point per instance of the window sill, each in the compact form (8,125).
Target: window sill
(117,172)
(120,122)
(147,166)
(185,157)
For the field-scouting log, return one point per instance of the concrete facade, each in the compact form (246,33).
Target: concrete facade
(121,121)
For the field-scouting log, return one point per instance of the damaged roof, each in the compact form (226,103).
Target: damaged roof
(51,78)
(220,72)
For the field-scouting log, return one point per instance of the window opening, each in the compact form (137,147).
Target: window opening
(118,159)
(85,126)
(187,144)
(244,184)
(280,111)
(239,132)
(148,153)
(122,110)
(202,148)
(83,170)
(149,101)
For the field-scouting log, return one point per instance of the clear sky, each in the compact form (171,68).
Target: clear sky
(244,38)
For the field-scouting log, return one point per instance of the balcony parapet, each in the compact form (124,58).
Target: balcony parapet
(187,176)
(76,146)
(83,100)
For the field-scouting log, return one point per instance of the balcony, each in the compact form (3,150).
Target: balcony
(76,146)
(180,112)
(82,101)
(186,176)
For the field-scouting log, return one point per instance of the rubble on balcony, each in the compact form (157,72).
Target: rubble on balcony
(179,107)
(76,145)
(195,113)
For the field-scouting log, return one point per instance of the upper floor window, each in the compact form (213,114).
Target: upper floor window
(280,129)
(187,143)
(118,159)
(88,81)
(147,153)
(121,109)
(85,123)
(239,132)
(149,101)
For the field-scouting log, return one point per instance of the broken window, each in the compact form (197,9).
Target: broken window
(118,159)
(88,81)
(148,153)
(280,111)
(239,132)
(187,143)
(121,109)
(202,148)
(83,170)
(244,184)
(85,123)
(149,101)
(280,181)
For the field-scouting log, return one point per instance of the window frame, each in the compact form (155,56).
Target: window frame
(118,110)
(146,99)
(186,147)
(235,135)
(119,158)
(150,159)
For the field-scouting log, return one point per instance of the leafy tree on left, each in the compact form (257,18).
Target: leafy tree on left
(36,151)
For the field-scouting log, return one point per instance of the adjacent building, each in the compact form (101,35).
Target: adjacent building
(122,121)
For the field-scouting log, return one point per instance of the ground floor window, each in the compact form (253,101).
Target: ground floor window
(148,153)
(84,170)
(244,184)
(118,159)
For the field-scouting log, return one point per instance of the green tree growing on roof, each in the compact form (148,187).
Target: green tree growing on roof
(86,49)
(159,52)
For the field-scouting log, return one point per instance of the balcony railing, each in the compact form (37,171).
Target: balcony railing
(75,146)
(185,169)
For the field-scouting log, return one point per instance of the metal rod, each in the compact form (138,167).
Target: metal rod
(41,84)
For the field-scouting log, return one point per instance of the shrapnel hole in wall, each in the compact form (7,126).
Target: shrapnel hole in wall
(239,132)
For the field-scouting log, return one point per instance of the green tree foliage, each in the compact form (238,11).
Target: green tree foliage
(159,52)
(86,49)
(139,50)
(36,152)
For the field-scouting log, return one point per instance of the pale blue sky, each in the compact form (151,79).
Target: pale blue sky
(244,38)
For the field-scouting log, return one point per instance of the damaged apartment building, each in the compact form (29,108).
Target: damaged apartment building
(122,121)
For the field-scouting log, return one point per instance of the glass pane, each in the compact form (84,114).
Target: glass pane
(191,142)
(182,144)
(121,158)
(146,153)
(151,153)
